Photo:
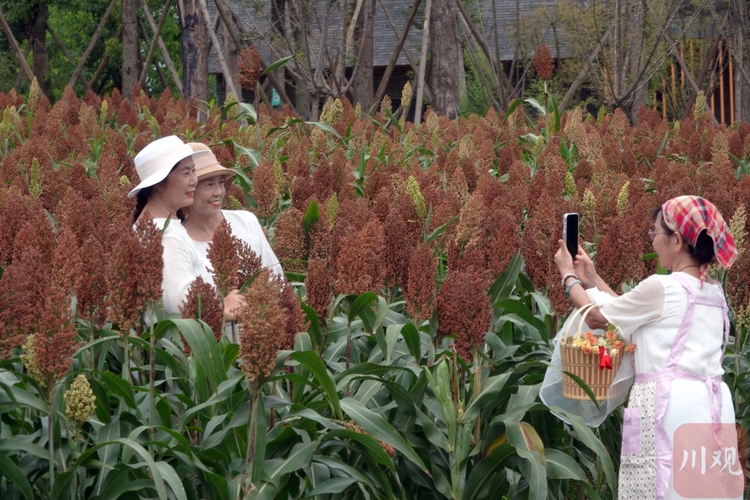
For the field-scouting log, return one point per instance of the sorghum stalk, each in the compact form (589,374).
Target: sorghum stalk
(477,388)
(257,111)
(51,444)
(252,434)
(152,372)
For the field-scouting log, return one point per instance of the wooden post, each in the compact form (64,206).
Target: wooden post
(163,49)
(682,71)
(423,63)
(92,43)
(152,45)
(228,77)
(14,44)
(20,74)
(721,81)
(731,86)
(664,98)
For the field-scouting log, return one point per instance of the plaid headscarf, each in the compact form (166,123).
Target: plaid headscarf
(691,215)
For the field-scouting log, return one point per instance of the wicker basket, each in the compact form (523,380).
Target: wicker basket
(586,366)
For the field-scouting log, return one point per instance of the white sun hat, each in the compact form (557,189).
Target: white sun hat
(156,160)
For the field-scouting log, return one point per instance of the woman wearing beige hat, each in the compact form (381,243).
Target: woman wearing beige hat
(189,254)
(168,180)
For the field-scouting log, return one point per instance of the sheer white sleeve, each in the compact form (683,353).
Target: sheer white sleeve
(642,305)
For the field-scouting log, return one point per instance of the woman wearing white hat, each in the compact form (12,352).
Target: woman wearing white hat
(190,257)
(166,168)
(167,173)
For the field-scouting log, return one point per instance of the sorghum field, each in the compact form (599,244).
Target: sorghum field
(405,354)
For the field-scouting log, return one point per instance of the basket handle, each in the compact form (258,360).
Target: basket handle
(585,310)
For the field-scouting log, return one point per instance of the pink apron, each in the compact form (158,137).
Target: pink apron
(663,382)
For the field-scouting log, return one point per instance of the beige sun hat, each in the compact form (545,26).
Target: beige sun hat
(157,159)
(207,165)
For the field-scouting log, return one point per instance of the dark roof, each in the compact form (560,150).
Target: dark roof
(256,20)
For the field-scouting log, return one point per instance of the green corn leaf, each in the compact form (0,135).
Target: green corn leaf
(16,475)
(562,466)
(379,428)
(312,361)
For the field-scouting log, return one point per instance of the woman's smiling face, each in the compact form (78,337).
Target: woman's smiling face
(178,188)
(208,197)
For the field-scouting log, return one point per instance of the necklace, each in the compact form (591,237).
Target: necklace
(693,265)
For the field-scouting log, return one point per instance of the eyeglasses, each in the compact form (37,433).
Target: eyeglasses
(652,234)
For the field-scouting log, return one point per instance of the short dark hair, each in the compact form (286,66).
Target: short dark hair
(704,247)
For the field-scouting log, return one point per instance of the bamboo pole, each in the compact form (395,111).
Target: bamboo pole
(422,63)
(731,86)
(394,58)
(65,52)
(163,49)
(20,74)
(721,81)
(14,44)
(279,86)
(92,43)
(152,45)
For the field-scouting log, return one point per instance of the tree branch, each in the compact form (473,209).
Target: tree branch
(14,44)
(92,43)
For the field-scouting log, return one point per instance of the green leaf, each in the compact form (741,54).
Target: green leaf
(518,308)
(431,431)
(12,472)
(172,479)
(277,64)
(253,155)
(370,446)
(261,439)
(536,105)
(332,486)
(562,466)
(312,215)
(490,388)
(314,328)
(583,433)
(529,447)
(15,445)
(360,303)
(511,109)
(483,470)
(504,284)
(327,128)
(440,230)
(298,458)
(248,110)
(22,398)
(120,387)
(204,348)
(413,342)
(312,361)
(379,428)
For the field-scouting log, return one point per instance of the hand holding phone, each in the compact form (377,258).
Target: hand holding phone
(570,233)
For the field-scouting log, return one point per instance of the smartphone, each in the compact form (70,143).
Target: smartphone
(570,233)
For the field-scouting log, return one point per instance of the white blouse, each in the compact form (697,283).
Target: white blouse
(650,315)
(186,259)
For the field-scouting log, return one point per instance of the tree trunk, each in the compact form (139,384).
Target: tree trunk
(741,88)
(362,87)
(195,47)
(130,48)
(38,41)
(302,98)
(444,49)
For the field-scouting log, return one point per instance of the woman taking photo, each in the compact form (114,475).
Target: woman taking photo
(680,327)
(188,249)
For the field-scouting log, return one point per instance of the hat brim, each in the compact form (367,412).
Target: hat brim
(214,170)
(161,175)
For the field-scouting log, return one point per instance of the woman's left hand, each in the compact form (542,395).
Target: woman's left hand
(563,259)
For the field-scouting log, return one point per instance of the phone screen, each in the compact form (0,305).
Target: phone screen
(570,233)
